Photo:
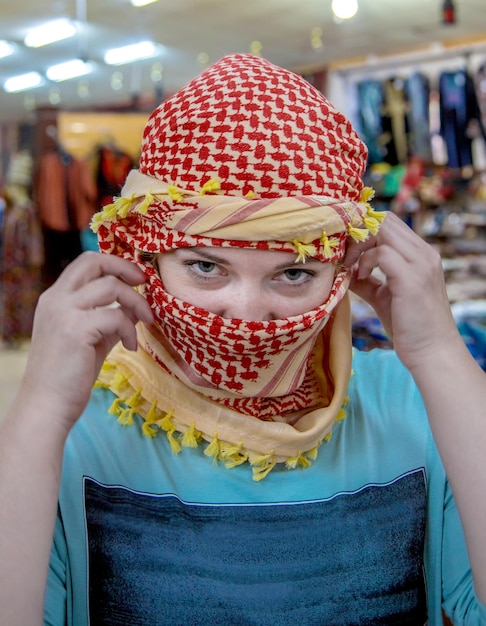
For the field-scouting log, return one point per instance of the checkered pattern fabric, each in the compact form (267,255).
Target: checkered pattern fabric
(258,129)
(247,154)
(259,368)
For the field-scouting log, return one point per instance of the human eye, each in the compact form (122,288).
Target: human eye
(205,267)
(296,275)
(201,269)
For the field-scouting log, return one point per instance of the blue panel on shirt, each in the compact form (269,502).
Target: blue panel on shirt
(355,558)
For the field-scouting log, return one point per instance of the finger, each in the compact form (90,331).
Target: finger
(393,232)
(366,288)
(107,290)
(420,274)
(354,250)
(399,236)
(375,292)
(110,326)
(386,259)
(91,265)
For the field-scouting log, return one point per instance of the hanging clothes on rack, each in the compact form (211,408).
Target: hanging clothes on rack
(458,108)
(394,121)
(113,167)
(370,105)
(417,87)
(480,86)
(65,194)
(479,145)
(22,254)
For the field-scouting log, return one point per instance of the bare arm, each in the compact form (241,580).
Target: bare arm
(73,332)
(412,303)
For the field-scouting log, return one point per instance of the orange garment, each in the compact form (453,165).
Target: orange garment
(82,192)
(65,192)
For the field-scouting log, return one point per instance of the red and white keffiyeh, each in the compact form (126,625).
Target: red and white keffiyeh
(246,155)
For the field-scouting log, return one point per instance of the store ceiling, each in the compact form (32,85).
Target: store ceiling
(187,28)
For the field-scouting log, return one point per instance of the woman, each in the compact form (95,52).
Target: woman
(227,467)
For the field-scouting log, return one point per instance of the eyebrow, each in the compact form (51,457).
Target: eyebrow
(214,258)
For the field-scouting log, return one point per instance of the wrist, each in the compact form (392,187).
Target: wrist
(448,356)
(38,410)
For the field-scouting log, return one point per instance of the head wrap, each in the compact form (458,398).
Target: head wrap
(246,155)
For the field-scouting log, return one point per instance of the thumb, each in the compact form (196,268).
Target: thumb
(375,292)
(366,288)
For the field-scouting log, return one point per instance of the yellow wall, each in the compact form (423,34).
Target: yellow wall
(81,133)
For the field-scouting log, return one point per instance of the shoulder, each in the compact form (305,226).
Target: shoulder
(386,427)
(98,436)
(379,370)
(382,390)
(378,360)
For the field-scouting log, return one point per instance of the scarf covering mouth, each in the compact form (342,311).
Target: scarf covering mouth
(246,155)
(260,368)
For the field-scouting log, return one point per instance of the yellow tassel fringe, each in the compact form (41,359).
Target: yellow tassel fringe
(174,194)
(211,186)
(262,465)
(304,250)
(329,243)
(367,194)
(213,449)
(192,437)
(377,215)
(129,403)
(358,234)
(144,206)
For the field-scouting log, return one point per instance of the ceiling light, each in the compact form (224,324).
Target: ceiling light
(142,3)
(256,48)
(128,54)
(83,89)
(157,72)
(117,81)
(31,80)
(316,38)
(6,49)
(55,96)
(69,69)
(50,33)
(203,58)
(344,9)
(29,102)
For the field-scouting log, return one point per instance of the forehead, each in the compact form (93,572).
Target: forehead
(242,255)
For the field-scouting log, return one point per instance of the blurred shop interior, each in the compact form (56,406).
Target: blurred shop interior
(410,74)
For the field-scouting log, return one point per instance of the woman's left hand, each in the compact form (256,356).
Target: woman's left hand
(408,294)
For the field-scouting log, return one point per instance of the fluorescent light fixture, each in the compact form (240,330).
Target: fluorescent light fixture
(69,69)
(344,9)
(50,33)
(142,3)
(128,54)
(6,49)
(31,80)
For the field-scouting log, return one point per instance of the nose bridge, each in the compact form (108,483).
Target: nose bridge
(249,303)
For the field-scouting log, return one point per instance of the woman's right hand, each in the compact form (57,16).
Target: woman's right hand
(75,327)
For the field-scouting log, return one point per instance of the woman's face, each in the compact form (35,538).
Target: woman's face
(252,285)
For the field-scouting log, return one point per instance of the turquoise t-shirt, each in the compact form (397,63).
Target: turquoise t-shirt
(369,534)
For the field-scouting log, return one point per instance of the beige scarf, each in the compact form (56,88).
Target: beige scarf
(164,404)
(218,168)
